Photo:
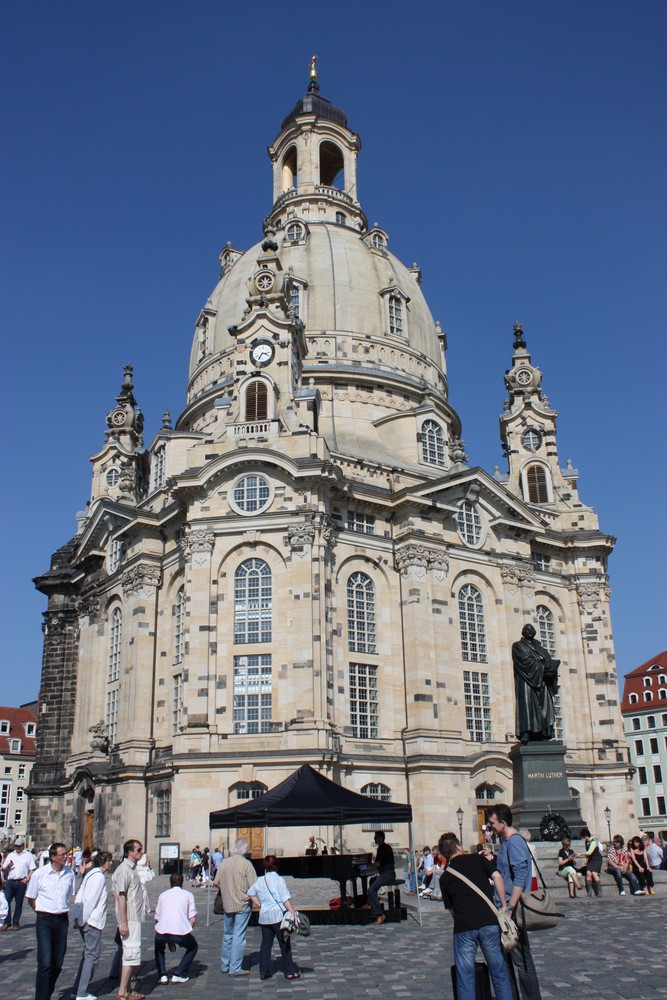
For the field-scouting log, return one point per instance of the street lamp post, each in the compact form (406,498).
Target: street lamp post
(607,816)
(459,816)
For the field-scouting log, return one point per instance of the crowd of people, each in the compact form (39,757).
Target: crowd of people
(466,883)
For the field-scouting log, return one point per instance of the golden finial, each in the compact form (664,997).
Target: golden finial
(313,71)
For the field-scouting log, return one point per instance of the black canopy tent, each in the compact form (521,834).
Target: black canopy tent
(308,796)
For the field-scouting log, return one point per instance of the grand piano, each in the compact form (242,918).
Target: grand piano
(341,868)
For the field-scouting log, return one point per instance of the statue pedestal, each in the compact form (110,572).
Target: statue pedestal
(540,786)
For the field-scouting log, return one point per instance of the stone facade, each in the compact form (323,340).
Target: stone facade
(305,568)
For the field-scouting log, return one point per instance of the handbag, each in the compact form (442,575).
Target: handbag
(536,911)
(289,923)
(509,934)
(302,924)
(218,908)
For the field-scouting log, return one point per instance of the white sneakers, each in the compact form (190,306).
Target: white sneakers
(88,996)
(180,979)
(164,980)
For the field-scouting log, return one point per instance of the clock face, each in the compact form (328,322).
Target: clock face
(262,353)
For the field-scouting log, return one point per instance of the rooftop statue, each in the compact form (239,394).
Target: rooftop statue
(536,685)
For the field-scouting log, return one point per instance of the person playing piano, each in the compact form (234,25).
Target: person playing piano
(386,868)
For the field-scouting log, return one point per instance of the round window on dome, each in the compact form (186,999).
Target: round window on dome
(251,495)
(112,477)
(294,232)
(532,439)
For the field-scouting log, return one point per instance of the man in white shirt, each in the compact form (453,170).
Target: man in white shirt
(175,916)
(129,914)
(49,892)
(17,869)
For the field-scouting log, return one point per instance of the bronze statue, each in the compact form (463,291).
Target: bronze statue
(535,685)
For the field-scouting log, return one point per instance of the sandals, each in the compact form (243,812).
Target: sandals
(295,975)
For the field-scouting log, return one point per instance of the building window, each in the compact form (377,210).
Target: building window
(653,744)
(639,748)
(661,805)
(112,715)
(251,494)
(648,696)
(486,793)
(4,727)
(546,635)
(542,562)
(634,698)
(256,402)
(396,315)
(380,792)
(159,468)
(536,483)
(115,554)
(663,723)
(295,300)
(22,771)
(469,523)
(662,694)
(650,721)
(252,694)
(163,813)
(115,639)
(18,817)
(247,790)
(179,627)
(646,807)
(636,724)
(532,439)
(364,701)
(30,728)
(477,705)
(641,775)
(647,682)
(361,614)
(363,523)
(14,746)
(341,219)
(252,602)
(294,232)
(471,620)
(20,794)
(657,774)
(377,241)
(5,796)
(112,477)
(433,443)
(176,704)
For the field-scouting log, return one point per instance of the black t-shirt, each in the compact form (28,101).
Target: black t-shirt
(470,912)
(384,858)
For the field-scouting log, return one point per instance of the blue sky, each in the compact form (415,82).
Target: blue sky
(516,151)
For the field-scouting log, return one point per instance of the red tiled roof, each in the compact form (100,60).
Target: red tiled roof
(655,668)
(17,717)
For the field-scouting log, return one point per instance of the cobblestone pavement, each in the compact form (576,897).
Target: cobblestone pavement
(612,948)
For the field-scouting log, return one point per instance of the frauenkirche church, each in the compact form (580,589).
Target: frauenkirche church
(305,567)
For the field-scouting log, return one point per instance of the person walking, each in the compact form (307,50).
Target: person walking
(49,892)
(90,917)
(129,914)
(234,877)
(17,868)
(515,865)
(270,893)
(175,916)
(474,922)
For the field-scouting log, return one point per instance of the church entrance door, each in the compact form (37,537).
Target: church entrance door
(255,837)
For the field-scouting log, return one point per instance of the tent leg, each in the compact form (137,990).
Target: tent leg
(414,868)
(208,885)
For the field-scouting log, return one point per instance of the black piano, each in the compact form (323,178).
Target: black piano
(341,868)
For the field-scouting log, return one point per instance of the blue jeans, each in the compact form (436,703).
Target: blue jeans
(233,940)
(186,941)
(465,951)
(618,879)
(14,891)
(269,931)
(384,878)
(51,932)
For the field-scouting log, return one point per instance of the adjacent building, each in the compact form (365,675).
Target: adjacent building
(644,709)
(305,566)
(18,729)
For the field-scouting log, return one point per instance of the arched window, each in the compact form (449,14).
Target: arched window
(545,628)
(158,468)
(361,614)
(395,315)
(256,401)
(471,619)
(179,627)
(486,793)
(252,602)
(662,695)
(331,166)
(246,790)
(115,639)
(634,698)
(433,443)
(289,175)
(163,813)
(648,696)
(647,682)
(536,483)
(469,523)
(376,790)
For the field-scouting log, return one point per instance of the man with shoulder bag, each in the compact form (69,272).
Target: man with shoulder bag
(466,891)
(515,866)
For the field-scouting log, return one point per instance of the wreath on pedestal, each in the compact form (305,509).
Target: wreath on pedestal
(554,827)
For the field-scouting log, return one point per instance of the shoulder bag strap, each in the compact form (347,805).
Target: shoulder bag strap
(471,885)
(282,907)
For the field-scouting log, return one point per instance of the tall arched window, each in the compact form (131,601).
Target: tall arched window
(469,523)
(471,619)
(115,639)
(252,602)
(361,614)
(179,627)
(331,166)
(376,790)
(547,636)
(536,482)
(433,443)
(395,315)
(257,401)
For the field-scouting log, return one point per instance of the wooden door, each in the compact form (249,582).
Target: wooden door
(88,829)
(255,837)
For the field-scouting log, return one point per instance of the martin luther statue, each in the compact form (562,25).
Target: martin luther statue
(535,684)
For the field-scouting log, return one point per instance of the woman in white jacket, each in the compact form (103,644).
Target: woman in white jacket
(90,915)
